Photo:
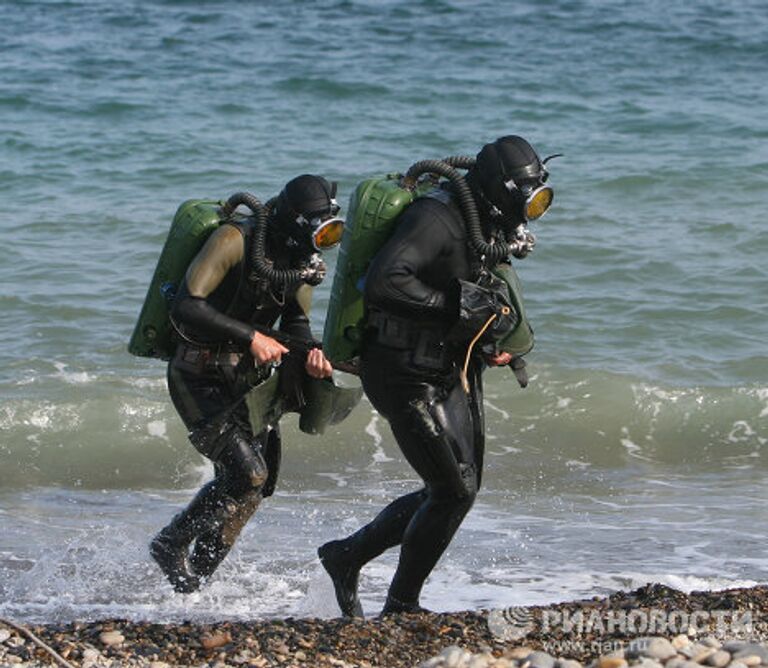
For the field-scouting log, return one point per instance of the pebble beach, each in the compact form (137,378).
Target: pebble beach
(651,627)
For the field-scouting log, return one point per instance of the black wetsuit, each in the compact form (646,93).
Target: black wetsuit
(211,371)
(411,374)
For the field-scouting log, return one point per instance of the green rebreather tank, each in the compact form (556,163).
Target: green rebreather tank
(371,218)
(193,223)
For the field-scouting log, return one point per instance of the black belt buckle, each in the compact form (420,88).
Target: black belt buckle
(191,359)
(197,356)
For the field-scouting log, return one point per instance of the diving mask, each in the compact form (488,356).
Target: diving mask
(535,198)
(326,228)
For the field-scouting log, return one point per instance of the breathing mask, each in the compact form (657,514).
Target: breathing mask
(324,228)
(531,199)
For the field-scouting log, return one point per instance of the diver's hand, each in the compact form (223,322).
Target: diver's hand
(499,359)
(266,350)
(317,364)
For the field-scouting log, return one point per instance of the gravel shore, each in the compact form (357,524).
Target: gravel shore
(652,627)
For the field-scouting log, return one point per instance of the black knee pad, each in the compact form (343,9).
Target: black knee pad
(240,463)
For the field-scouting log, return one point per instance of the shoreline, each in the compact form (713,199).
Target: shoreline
(539,636)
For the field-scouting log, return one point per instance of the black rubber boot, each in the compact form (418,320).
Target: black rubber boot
(394,606)
(211,548)
(336,558)
(170,547)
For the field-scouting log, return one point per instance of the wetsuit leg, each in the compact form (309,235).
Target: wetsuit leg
(436,435)
(214,518)
(242,472)
(441,437)
(344,558)
(169,548)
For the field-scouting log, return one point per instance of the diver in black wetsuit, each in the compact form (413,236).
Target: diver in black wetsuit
(240,279)
(411,363)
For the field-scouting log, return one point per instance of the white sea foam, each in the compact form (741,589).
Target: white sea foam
(43,415)
(339,478)
(148,383)
(762,395)
(496,409)
(73,377)
(632,448)
(372,429)
(157,429)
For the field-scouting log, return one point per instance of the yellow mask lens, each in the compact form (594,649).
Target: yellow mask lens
(538,203)
(328,234)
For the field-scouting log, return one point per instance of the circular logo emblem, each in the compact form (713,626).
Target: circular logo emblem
(512,623)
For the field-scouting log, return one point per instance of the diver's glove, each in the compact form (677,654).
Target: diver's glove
(484,310)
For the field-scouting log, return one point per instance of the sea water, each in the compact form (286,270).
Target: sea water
(637,453)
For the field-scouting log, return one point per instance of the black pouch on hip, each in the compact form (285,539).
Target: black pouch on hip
(484,307)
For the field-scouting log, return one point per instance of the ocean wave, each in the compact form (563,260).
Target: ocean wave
(125,433)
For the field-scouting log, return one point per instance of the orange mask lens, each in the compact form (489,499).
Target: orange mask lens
(328,234)
(538,202)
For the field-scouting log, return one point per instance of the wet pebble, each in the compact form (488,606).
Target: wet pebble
(520,653)
(611,662)
(216,639)
(568,663)
(750,650)
(678,662)
(719,659)
(90,655)
(656,648)
(452,657)
(540,659)
(734,646)
(111,638)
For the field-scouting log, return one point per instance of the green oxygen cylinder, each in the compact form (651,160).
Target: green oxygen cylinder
(372,215)
(193,223)
(520,340)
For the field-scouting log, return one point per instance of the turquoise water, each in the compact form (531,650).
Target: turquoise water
(639,450)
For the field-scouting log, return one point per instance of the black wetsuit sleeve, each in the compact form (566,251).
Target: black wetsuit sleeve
(396,279)
(204,318)
(222,253)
